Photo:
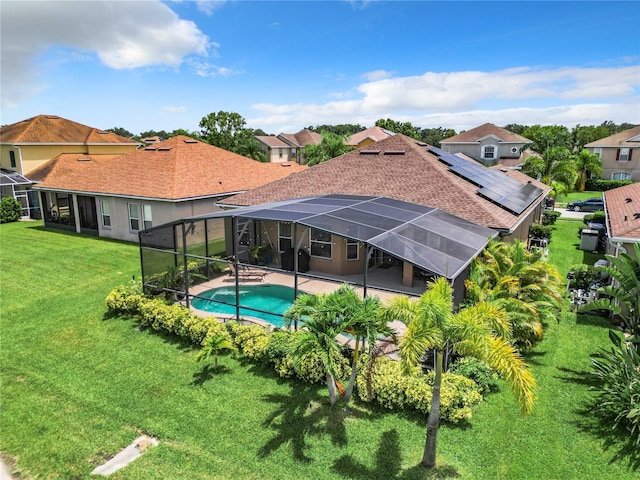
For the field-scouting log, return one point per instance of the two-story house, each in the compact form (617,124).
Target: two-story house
(487,144)
(620,155)
(288,147)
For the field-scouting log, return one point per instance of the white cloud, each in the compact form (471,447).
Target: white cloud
(209,6)
(462,100)
(376,75)
(123,35)
(178,109)
(206,69)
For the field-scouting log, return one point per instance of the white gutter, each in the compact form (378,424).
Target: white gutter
(135,197)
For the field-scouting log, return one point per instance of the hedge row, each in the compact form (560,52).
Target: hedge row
(383,382)
(600,185)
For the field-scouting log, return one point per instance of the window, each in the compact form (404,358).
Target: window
(598,152)
(134,224)
(489,152)
(146,216)
(624,155)
(12,157)
(106,213)
(446,148)
(284,236)
(280,152)
(353,252)
(320,243)
(294,153)
(620,176)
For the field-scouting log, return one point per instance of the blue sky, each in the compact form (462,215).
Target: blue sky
(286,65)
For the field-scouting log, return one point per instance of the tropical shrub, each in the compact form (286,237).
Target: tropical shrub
(596,217)
(549,217)
(583,275)
(485,377)
(125,299)
(10,210)
(251,340)
(601,185)
(540,231)
(387,384)
(616,373)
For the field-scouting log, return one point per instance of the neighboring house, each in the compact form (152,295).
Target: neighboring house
(28,144)
(368,136)
(277,150)
(488,144)
(620,155)
(16,185)
(288,147)
(116,196)
(622,207)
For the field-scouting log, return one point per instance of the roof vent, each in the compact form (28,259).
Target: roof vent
(151,148)
(103,132)
(52,117)
(190,141)
(627,200)
(421,144)
(163,149)
(369,152)
(503,170)
(285,164)
(394,152)
(84,159)
(636,215)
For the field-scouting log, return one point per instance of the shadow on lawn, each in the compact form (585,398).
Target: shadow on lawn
(388,464)
(615,440)
(207,372)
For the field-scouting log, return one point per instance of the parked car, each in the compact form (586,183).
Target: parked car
(588,205)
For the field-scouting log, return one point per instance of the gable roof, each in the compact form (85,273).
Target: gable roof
(51,129)
(271,141)
(374,133)
(626,138)
(398,167)
(622,207)
(177,169)
(488,129)
(301,139)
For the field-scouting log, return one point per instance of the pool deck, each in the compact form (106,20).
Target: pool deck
(383,277)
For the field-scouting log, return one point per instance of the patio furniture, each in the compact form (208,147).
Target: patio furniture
(247,273)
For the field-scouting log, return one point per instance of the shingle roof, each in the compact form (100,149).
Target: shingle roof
(623,217)
(619,139)
(374,133)
(478,133)
(177,168)
(272,141)
(403,169)
(303,138)
(51,129)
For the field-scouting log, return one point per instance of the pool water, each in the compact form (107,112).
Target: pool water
(271,298)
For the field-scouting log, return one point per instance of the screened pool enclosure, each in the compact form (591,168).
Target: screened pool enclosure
(337,238)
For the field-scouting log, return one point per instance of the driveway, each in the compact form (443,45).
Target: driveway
(564,213)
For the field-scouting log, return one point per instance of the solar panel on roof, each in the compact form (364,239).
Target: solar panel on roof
(516,201)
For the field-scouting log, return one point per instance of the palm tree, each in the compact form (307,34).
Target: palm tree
(555,165)
(586,162)
(477,331)
(213,345)
(521,282)
(622,297)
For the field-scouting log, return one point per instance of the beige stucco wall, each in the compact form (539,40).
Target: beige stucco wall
(610,165)
(35,155)
(474,150)
(521,232)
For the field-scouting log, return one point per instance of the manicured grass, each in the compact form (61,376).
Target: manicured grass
(78,386)
(574,196)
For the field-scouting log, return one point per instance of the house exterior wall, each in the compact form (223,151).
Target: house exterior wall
(475,150)
(612,166)
(33,156)
(521,232)
(273,154)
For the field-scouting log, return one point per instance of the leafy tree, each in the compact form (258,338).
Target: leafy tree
(555,165)
(154,133)
(331,146)
(260,133)
(123,132)
(581,135)
(478,331)
(521,282)
(226,130)
(405,128)
(214,345)
(253,150)
(622,297)
(344,129)
(586,163)
(516,128)
(545,137)
(433,136)
(10,210)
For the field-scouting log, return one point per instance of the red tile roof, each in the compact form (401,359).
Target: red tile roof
(177,168)
(623,211)
(478,133)
(401,169)
(51,129)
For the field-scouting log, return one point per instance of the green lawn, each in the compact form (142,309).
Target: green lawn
(575,196)
(77,386)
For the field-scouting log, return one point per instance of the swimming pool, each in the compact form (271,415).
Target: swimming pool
(272,298)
